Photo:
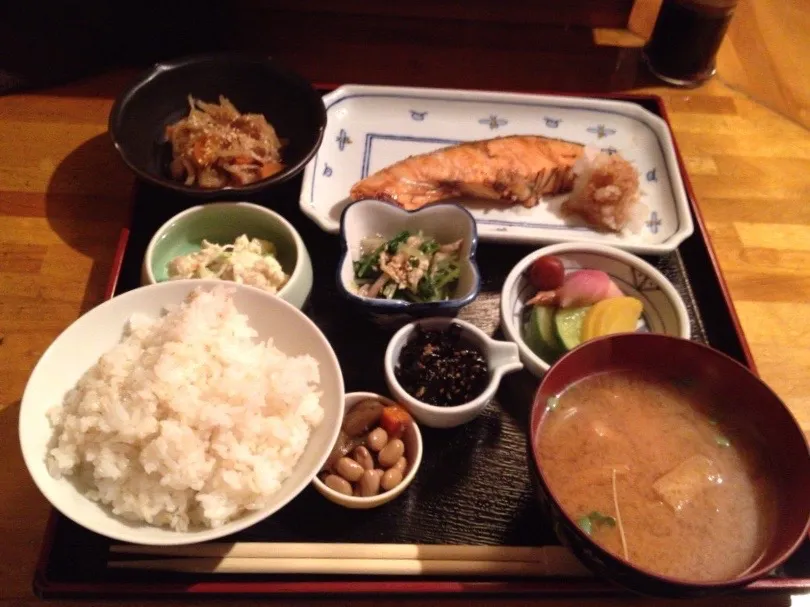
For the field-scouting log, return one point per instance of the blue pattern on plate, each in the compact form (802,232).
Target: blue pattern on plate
(651,176)
(343,139)
(493,121)
(600,130)
(654,222)
(552,123)
(327,170)
(466,100)
(418,116)
(610,151)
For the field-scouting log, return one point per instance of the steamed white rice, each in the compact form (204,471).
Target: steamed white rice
(189,421)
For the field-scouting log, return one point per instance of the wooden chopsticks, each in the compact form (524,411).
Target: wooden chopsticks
(354,559)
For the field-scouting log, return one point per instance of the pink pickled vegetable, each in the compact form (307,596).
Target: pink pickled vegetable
(581,288)
(586,287)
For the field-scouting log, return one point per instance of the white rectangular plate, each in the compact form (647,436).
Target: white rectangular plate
(371,127)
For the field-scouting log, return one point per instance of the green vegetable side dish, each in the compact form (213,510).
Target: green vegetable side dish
(409,266)
(594,520)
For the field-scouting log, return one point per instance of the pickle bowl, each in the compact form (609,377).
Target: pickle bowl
(663,308)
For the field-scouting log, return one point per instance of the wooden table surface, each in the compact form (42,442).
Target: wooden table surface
(64,196)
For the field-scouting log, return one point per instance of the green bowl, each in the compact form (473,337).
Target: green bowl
(222,223)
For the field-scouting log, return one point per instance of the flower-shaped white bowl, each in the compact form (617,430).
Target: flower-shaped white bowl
(413,452)
(664,310)
(502,357)
(445,222)
(82,343)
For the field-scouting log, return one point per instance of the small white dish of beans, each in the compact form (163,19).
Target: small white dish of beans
(376,456)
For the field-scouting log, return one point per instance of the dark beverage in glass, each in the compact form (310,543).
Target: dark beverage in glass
(686,38)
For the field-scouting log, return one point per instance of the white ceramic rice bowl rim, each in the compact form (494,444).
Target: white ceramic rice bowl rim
(363,503)
(47,485)
(300,248)
(513,332)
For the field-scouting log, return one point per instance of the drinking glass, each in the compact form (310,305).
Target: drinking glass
(686,38)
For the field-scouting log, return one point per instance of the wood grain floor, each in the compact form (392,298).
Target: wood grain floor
(765,55)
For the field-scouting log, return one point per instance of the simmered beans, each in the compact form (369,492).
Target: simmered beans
(370,454)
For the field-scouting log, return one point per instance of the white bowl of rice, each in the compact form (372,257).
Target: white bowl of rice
(181,412)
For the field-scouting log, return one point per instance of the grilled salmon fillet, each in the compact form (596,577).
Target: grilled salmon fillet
(517,169)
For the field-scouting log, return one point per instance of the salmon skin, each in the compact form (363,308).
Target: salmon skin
(517,169)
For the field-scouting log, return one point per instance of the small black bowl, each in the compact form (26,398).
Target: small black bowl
(254,84)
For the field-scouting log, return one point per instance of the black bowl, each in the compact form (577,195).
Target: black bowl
(254,84)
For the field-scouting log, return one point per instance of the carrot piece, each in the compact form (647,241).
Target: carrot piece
(395,420)
(270,168)
(199,152)
(241,160)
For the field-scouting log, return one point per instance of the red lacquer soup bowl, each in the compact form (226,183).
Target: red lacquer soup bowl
(744,397)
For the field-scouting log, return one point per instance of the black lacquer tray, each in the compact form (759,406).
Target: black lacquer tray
(473,486)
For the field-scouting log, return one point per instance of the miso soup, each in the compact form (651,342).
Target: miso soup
(653,471)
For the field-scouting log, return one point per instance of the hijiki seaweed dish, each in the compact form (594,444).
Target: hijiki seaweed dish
(438,367)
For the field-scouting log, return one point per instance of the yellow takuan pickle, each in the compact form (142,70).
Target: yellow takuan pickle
(614,315)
